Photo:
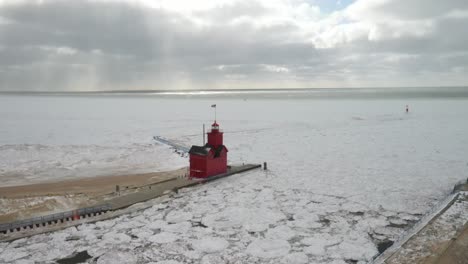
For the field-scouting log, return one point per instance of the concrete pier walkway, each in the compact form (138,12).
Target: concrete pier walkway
(151,191)
(443,239)
(457,251)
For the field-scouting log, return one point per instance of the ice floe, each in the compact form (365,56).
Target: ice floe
(163,238)
(268,248)
(210,244)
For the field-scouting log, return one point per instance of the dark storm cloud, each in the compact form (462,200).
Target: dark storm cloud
(131,42)
(125,29)
(113,27)
(105,45)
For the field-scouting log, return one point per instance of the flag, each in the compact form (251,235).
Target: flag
(213,105)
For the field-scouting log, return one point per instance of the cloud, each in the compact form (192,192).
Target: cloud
(124,44)
(404,10)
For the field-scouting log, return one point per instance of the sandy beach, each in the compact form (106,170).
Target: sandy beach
(90,186)
(23,201)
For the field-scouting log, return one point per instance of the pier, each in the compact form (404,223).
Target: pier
(175,146)
(433,240)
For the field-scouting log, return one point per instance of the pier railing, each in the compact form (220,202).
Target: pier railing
(42,221)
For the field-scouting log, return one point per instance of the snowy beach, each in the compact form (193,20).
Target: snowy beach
(345,175)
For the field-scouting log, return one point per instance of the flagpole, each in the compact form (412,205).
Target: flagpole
(214,106)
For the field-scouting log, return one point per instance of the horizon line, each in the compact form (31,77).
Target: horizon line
(221,90)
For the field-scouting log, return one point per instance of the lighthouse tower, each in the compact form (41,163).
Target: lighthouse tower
(215,136)
(211,159)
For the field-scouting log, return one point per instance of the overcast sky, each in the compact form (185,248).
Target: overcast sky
(216,44)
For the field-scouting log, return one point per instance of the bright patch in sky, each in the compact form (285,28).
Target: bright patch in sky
(330,6)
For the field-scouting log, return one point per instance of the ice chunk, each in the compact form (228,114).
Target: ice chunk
(268,248)
(166,262)
(178,216)
(157,225)
(280,232)
(210,244)
(13,254)
(321,239)
(315,250)
(116,238)
(357,249)
(295,258)
(163,238)
(212,259)
(179,228)
(113,256)
(254,218)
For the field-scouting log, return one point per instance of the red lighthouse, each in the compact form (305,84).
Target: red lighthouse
(210,159)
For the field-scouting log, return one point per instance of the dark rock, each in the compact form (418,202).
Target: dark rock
(397,225)
(382,246)
(358,213)
(200,224)
(79,257)
(72,238)
(325,221)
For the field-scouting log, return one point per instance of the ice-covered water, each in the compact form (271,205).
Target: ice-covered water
(344,174)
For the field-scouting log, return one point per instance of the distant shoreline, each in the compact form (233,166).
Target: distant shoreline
(452,92)
(266,90)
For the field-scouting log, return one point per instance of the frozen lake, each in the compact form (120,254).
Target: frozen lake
(344,174)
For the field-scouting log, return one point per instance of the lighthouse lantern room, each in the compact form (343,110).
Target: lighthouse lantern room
(210,159)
